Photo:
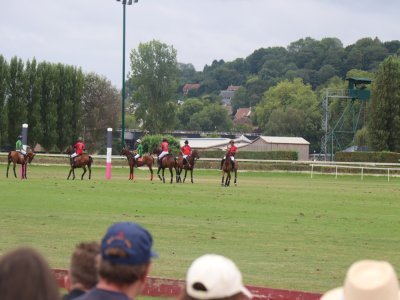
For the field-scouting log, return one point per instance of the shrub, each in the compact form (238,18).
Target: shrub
(379,157)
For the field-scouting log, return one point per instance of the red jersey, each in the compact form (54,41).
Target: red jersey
(79,146)
(186,150)
(232,150)
(164,146)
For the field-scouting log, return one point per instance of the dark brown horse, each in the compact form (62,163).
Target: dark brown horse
(168,161)
(228,168)
(80,161)
(188,166)
(145,160)
(16,157)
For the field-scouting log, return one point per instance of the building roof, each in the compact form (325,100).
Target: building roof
(283,140)
(190,86)
(242,113)
(216,143)
(233,88)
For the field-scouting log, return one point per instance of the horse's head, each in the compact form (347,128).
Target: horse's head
(124,151)
(195,154)
(30,156)
(69,150)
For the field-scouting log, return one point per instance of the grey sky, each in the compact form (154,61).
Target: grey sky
(88,33)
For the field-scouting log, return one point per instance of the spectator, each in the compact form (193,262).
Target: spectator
(214,276)
(125,263)
(25,274)
(367,280)
(82,274)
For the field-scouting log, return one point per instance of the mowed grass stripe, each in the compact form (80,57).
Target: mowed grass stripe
(283,230)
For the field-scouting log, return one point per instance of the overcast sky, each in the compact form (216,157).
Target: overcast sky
(88,33)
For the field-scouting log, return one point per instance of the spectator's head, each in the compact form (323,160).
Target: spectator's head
(164,140)
(19,137)
(25,274)
(83,266)
(367,280)
(186,142)
(214,276)
(138,141)
(126,252)
(232,142)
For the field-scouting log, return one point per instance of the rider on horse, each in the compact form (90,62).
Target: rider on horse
(79,148)
(186,151)
(232,149)
(164,150)
(19,147)
(139,150)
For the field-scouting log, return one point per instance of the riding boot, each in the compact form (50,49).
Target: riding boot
(222,163)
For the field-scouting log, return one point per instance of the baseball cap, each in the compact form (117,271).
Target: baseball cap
(218,277)
(131,238)
(367,280)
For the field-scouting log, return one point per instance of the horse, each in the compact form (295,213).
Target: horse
(80,161)
(180,166)
(17,158)
(145,160)
(167,161)
(227,168)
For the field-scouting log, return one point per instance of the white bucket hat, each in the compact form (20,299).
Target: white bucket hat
(218,277)
(367,280)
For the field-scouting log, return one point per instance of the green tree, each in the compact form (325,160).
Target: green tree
(16,100)
(154,75)
(101,109)
(288,109)
(187,110)
(384,125)
(3,93)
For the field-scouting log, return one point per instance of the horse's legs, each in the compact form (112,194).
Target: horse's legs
(184,177)
(73,173)
(130,172)
(90,171)
(24,168)
(151,173)
(15,174)
(70,172)
(222,180)
(172,173)
(191,175)
(158,172)
(228,178)
(84,172)
(8,166)
(235,177)
(163,178)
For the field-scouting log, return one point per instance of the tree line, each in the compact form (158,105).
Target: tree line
(58,102)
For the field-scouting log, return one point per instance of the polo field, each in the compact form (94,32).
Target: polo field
(284,230)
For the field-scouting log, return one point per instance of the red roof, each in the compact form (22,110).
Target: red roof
(190,86)
(242,113)
(233,88)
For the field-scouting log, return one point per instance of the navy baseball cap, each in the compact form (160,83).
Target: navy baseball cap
(132,239)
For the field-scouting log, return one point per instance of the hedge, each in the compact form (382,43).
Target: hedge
(368,156)
(269,155)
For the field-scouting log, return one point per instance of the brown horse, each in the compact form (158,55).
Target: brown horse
(180,166)
(80,161)
(17,158)
(145,160)
(228,168)
(167,161)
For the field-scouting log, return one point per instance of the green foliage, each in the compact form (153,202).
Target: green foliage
(154,75)
(384,125)
(152,142)
(378,157)
(290,109)
(3,111)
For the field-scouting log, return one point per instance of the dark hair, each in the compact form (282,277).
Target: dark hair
(25,274)
(185,296)
(119,274)
(186,142)
(83,266)
(165,140)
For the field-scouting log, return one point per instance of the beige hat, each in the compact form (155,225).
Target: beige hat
(218,277)
(367,280)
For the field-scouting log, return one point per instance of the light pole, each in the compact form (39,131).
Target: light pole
(124,3)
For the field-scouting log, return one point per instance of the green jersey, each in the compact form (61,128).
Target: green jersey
(140,149)
(18,145)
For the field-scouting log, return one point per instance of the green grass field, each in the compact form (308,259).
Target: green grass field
(283,230)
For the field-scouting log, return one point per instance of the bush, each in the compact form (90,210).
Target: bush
(151,142)
(378,157)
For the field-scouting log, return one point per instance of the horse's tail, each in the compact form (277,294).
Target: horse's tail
(90,161)
(9,156)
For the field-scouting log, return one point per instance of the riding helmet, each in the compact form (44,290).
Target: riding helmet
(138,141)
(19,137)
(186,142)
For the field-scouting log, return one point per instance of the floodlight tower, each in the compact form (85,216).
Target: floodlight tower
(332,131)
(124,3)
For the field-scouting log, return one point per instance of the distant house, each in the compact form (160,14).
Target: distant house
(228,94)
(214,143)
(242,116)
(276,143)
(190,86)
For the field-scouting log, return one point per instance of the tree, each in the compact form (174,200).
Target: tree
(154,75)
(288,109)
(384,125)
(188,109)
(101,109)
(3,94)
